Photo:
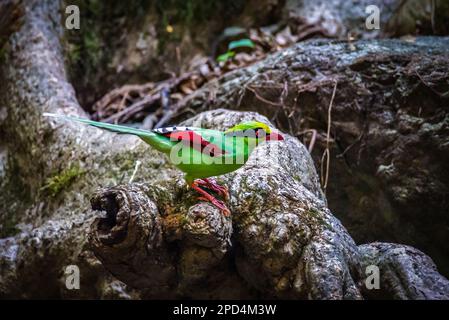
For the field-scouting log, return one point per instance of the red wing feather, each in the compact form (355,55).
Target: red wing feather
(192,139)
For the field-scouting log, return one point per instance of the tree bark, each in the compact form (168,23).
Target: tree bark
(389,173)
(404,272)
(11,13)
(49,169)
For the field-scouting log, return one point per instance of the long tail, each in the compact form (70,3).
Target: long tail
(107,126)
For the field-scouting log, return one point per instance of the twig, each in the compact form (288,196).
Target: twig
(264,86)
(425,83)
(311,31)
(350,146)
(122,104)
(136,167)
(122,91)
(149,120)
(174,108)
(312,140)
(166,117)
(327,151)
(150,91)
(277,104)
(133,109)
(165,97)
(324,177)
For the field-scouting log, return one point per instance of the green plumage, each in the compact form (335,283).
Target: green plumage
(196,163)
(200,153)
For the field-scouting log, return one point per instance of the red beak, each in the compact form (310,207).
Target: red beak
(274,137)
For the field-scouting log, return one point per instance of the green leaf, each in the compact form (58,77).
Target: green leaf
(240,44)
(225,56)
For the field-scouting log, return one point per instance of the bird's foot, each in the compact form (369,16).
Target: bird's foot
(209,198)
(219,204)
(211,184)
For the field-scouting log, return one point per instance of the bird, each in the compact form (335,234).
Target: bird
(200,153)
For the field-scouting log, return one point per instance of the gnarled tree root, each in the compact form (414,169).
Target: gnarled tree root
(281,240)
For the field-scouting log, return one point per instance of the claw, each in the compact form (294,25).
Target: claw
(209,198)
(214,186)
(219,204)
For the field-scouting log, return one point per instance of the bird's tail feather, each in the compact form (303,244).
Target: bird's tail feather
(107,126)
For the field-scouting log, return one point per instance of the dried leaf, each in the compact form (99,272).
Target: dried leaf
(188,86)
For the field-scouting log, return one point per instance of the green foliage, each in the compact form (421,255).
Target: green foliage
(225,56)
(242,43)
(54,185)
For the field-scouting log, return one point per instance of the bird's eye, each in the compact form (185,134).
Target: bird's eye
(260,132)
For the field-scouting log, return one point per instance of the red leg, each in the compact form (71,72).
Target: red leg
(206,196)
(214,186)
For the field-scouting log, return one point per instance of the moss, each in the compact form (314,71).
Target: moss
(120,168)
(317,216)
(54,185)
(128,164)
